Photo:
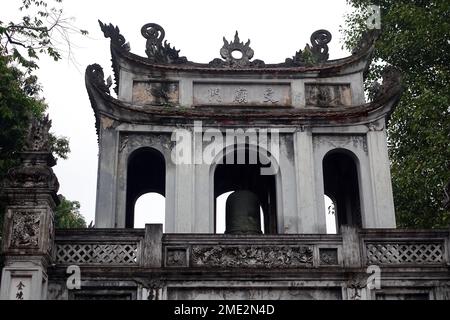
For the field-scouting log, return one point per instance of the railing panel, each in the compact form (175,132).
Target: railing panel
(99,247)
(405,247)
(97,253)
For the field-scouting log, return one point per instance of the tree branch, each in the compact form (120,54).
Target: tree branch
(10,40)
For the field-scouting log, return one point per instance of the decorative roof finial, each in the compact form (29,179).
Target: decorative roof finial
(316,53)
(155,49)
(244,51)
(117,39)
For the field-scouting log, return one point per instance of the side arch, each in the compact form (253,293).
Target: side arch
(341,180)
(146,173)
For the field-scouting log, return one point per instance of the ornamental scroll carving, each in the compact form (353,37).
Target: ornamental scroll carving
(155,49)
(252,256)
(25,229)
(316,53)
(95,74)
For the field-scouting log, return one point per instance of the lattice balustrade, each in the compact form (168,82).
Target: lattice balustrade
(405,253)
(90,253)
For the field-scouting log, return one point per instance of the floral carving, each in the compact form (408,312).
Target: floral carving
(328,256)
(176,258)
(25,229)
(253,256)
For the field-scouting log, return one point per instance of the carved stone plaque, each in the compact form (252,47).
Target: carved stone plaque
(176,257)
(25,229)
(328,95)
(328,256)
(242,94)
(156,93)
(252,256)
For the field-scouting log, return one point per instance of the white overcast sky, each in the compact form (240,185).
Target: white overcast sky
(277,29)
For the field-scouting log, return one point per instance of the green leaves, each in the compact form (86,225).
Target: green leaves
(67,214)
(21,44)
(42,30)
(415,40)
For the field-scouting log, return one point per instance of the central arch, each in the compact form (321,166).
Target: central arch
(232,177)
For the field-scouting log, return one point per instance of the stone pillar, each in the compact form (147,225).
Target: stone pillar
(152,247)
(351,247)
(28,231)
(308,219)
(384,213)
(105,213)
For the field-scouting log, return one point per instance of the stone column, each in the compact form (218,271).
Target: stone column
(105,212)
(28,231)
(308,219)
(383,201)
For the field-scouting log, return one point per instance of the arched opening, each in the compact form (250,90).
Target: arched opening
(149,208)
(245,176)
(146,173)
(340,178)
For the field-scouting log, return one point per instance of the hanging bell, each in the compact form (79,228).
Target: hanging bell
(242,213)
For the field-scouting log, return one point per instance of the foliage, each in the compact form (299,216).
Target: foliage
(414,39)
(42,30)
(67,214)
(16,108)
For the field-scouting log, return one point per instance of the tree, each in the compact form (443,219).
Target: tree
(414,39)
(43,30)
(67,214)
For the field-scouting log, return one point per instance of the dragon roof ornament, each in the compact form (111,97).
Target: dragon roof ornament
(160,52)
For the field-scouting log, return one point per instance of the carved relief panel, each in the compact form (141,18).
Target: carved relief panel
(328,95)
(156,93)
(28,230)
(25,229)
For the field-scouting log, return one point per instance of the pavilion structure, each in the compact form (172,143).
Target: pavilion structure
(287,134)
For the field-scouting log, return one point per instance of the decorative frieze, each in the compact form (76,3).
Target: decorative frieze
(252,256)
